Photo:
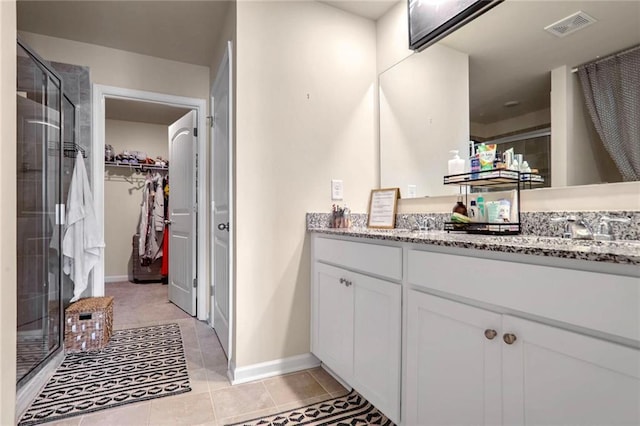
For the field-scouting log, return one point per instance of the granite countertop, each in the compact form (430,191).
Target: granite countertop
(621,252)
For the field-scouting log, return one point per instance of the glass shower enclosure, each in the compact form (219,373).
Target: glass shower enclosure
(42,113)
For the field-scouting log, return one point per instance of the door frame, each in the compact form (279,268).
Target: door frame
(231,277)
(102,92)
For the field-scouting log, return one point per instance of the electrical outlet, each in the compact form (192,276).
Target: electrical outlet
(412,191)
(337,189)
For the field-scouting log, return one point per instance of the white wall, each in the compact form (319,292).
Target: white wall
(622,196)
(577,155)
(120,68)
(424,113)
(589,160)
(306,75)
(122,197)
(8,212)
(513,124)
(392,37)
(423,106)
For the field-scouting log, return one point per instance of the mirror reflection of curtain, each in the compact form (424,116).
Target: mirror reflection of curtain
(611,88)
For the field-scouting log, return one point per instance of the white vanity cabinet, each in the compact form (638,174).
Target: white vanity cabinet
(356,317)
(483,364)
(453,370)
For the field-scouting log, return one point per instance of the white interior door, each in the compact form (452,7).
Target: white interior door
(182,235)
(221,224)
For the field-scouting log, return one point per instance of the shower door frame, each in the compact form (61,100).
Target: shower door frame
(52,75)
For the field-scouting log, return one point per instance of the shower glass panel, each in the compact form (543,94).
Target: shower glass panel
(39,156)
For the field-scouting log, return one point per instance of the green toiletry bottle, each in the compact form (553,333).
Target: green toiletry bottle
(482,214)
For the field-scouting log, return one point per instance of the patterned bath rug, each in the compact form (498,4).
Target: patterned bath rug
(351,409)
(136,365)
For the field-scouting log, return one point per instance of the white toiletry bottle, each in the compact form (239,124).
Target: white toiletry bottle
(456,164)
(472,211)
(482,214)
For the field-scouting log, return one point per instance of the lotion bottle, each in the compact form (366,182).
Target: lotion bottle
(482,214)
(456,164)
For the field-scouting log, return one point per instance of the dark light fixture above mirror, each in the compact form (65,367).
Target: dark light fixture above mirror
(431,20)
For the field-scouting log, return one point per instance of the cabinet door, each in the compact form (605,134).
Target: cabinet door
(333,322)
(554,376)
(453,369)
(377,347)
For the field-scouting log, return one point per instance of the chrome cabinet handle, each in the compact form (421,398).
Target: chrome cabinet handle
(490,333)
(509,338)
(346,282)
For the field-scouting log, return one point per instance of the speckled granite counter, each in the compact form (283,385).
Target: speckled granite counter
(621,252)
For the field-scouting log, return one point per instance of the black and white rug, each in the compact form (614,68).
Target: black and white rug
(138,364)
(351,409)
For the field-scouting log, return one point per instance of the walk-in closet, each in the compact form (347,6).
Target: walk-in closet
(137,190)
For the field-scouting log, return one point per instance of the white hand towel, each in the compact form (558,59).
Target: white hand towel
(82,241)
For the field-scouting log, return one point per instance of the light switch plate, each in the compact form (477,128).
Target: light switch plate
(412,191)
(337,189)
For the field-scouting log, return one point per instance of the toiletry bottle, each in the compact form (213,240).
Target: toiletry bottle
(473,210)
(456,164)
(460,207)
(482,214)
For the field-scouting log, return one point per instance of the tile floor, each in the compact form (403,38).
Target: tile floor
(212,400)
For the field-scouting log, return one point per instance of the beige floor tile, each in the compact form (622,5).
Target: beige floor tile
(71,421)
(340,393)
(218,378)
(298,404)
(128,415)
(241,399)
(326,380)
(214,359)
(187,409)
(248,416)
(293,387)
(198,380)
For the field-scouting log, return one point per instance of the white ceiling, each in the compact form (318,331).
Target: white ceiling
(143,112)
(510,53)
(184,31)
(371,9)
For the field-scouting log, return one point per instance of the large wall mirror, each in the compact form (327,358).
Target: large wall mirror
(492,80)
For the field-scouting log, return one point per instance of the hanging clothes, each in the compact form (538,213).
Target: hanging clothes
(82,241)
(151,227)
(165,241)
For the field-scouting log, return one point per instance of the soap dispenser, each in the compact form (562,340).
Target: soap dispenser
(456,164)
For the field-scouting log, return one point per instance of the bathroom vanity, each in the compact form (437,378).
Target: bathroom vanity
(438,328)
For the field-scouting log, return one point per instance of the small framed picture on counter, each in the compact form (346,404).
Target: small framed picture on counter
(383,204)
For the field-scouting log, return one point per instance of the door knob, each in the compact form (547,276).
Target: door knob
(223,226)
(490,334)
(509,338)
(167,222)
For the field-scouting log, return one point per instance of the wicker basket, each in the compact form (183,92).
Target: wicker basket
(88,324)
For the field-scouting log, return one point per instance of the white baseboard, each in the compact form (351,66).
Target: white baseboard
(116,278)
(276,367)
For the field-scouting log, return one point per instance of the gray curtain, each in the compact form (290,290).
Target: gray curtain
(611,89)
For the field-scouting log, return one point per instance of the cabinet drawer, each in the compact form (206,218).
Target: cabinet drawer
(372,259)
(602,302)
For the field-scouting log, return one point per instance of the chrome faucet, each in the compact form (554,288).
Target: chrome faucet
(576,229)
(425,223)
(413,223)
(604,228)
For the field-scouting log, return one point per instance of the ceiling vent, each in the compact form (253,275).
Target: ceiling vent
(570,24)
